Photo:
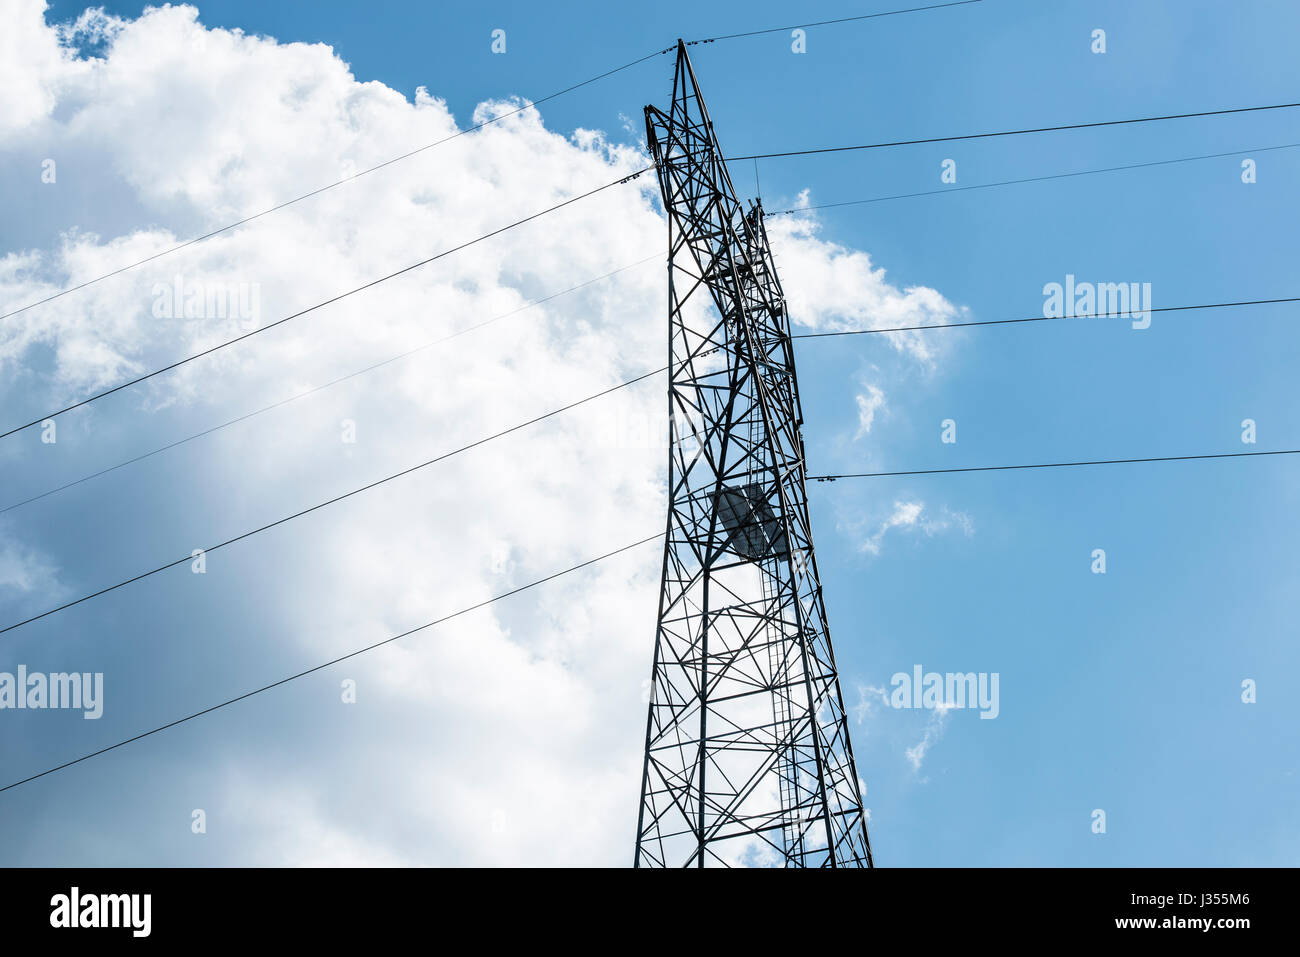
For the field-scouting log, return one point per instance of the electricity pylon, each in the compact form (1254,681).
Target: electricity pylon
(747,756)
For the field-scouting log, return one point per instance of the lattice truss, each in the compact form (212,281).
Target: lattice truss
(748,758)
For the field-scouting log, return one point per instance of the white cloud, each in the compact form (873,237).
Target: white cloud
(870,697)
(948,519)
(868,405)
(531,709)
(904,515)
(934,726)
(33,67)
(912,516)
(834,288)
(24,570)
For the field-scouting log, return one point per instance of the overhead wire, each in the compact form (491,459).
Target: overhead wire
(516,428)
(1053,465)
(826,23)
(629,177)
(326,664)
(93,398)
(1017,132)
(1005,322)
(310,309)
(1028,179)
(330,501)
(321,189)
(607,555)
(811,335)
(320,388)
(530,104)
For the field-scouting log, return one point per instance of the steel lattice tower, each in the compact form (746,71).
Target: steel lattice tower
(747,744)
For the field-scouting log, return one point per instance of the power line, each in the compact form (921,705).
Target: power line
(824,23)
(1040,129)
(1003,322)
(551,209)
(332,501)
(547,415)
(1031,179)
(327,664)
(795,336)
(1052,465)
(309,309)
(446,139)
(320,388)
(329,186)
(427,345)
(248,335)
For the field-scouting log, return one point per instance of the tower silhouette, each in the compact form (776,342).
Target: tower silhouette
(747,756)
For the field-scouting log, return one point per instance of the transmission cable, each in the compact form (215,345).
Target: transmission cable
(1040,129)
(521,425)
(808,335)
(332,501)
(320,388)
(428,146)
(374,282)
(824,23)
(1029,179)
(1052,465)
(627,178)
(631,176)
(515,428)
(1058,319)
(319,190)
(333,661)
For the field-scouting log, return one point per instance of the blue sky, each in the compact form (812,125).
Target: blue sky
(1119,691)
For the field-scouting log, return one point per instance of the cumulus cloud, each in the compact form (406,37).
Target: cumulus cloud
(833,288)
(524,711)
